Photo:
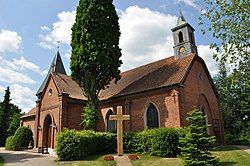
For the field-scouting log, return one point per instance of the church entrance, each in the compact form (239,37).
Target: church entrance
(48,137)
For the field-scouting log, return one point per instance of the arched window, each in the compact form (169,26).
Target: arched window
(180,35)
(152,117)
(110,123)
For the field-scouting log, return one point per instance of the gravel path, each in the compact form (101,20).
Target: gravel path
(25,158)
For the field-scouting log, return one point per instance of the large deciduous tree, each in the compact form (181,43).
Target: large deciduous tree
(229,21)
(234,87)
(95,55)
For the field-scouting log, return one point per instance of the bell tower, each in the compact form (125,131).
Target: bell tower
(184,41)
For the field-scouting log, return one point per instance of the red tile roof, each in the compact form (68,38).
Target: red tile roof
(165,72)
(32,112)
(162,73)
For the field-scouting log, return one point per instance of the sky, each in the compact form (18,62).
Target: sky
(30,29)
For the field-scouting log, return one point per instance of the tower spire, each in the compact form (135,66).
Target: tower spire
(183,33)
(181,20)
(55,67)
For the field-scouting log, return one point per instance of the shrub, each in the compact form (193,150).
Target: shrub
(130,141)
(242,139)
(161,142)
(105,143)
(22,137)
(164,143)
(8,144)
(76,145)
(197,143)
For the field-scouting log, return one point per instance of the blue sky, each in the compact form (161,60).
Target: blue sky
(30,29)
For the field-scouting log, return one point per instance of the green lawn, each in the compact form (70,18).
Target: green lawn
(229,156)
(156,161)
(96,160)
(232,156)
(1,161)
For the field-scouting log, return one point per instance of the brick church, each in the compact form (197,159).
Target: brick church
(157,94)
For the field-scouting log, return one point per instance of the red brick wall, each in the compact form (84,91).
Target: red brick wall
(74,116)
(30,121)
(197,92)
(136,105)
(172,103)
(50,105)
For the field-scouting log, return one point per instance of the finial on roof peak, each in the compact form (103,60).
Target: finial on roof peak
(181,20)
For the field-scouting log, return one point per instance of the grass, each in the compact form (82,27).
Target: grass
(232,156)
(229,156)
(1,161)
(156,161)
(96,160)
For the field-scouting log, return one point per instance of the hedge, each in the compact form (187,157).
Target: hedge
(163,142)
(8,144)
(22,138)
(77,145)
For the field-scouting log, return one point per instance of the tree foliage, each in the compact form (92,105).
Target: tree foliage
(95,51)
(197,143)
(229,23)
(234,90)
(9,118)
(22,138)
(14,124)
(4,117)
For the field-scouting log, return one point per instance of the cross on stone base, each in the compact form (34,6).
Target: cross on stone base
(119,118)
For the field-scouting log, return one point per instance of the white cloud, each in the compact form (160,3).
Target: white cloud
(206,53)
(23,97)
(45,28)
(193,4)
(9,41)
(20,65)
(23,64)
(2,89)
(145,36)
(11,76)
(61,30)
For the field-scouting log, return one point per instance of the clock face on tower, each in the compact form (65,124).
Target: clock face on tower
(182,50)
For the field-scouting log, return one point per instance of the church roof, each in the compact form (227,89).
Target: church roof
(56,66)
(162,73)
(32,112)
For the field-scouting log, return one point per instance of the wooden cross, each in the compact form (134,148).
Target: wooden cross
(119,118)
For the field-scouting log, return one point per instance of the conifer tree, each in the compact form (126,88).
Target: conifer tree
(95,57)
(197,143)
(4,117)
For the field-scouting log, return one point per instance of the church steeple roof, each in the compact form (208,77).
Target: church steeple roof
(181,20)
(55,67)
